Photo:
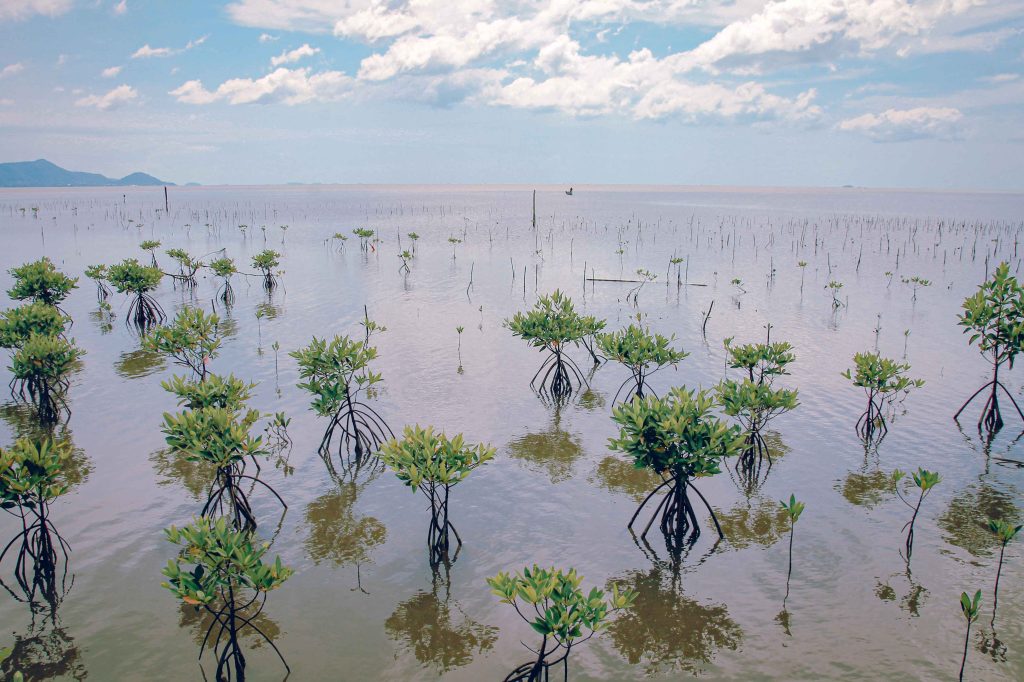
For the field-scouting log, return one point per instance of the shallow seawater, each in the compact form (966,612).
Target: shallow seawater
(364,603)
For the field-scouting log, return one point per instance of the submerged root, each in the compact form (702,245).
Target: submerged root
(675,513)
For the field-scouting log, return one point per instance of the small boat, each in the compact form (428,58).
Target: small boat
(568,192)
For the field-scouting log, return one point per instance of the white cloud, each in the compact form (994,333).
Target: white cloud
(111,72)
(121,7)
(267,38)
(23,9)
(1000,78)
(894,125)
(122,94)
(146,51)
(12,69)
(292,56)
(289,86)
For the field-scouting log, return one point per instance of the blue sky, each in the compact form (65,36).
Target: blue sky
(882,93)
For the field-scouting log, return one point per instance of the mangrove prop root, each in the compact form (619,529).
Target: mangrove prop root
(675,514)
(991,418)
(559,376)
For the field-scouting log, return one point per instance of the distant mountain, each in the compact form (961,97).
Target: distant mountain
(42,173)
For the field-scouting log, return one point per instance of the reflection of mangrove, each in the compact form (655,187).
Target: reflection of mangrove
(31,478)
(552,451)
(22,421)
(139,363)
(46,652)
(437,636)
(666,630)
(752,472)
(868,488)
(337,534)
(173,467)
(757,520)
(199,620)
(617,475)
(965,521)
(910,602)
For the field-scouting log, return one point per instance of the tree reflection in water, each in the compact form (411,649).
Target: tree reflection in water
(965,521)
(868,486)
(45,652)
(754,521)
(438,636)
(665,630)
(135,364)
(552,451)
(337,534)
(618,475)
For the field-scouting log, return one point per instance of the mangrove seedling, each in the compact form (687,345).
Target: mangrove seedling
(434,464)
(454,241)
(970,608)
(884,381)
(679,439)
(1004,532)
(137,280)
(762,362)
(834,287)
(221,570)
(645,277)
(642,353)
(151,245)
(793,511)
(18,324)
(265,261)
(220,437)
(32,476)
(803,269)
(41,281)
(915,283)
(40,369)
(218,391)
(994,317)
(551,325)
(364,235)
(413,237)
(754,405)
(338,373)
(225,267)
(405,257)
(192,340)
(98,274)
(187,266)
(924,480)
(551,601)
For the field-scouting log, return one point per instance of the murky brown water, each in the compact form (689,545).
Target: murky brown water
(364,603)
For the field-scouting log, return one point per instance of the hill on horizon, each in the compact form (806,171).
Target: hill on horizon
(43,173)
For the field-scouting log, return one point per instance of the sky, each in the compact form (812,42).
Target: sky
(876,93)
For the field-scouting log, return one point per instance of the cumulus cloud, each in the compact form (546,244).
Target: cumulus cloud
(23,9)
(288,86)
(120,95)
(267,38)
(121,7)
(1001,78)
(894,125)
(11,69)
(145,52)
(111,71)
(292,56)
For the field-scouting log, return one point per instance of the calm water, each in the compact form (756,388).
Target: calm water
(364,604)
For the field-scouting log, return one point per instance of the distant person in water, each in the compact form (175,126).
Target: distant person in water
(569,192)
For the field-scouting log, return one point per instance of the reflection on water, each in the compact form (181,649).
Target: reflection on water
(45,652)
(750,480)
(337,534)
(965,521)
(869,485)
(618,475)
(440,639)
(664,630)
(135,364)
(551,451)
(198,620)
(913,593)
(23,422)
(173,467)
(754,521)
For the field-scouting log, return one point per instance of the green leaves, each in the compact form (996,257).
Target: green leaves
(32,472)
(423,458)
(678,432)
(217,391)
(638,349)
(925,480)
(18,324)
(192,339)
(331,369)
(970,607)
(881,376)
(553,322)
(793,509)
(223,267)
(754,404)
(43,358)
(130,276)
(1003,531)
(150,245)
(266,260)
(761,361)
(994,316)
(216,435)
(560,608)
(40,281)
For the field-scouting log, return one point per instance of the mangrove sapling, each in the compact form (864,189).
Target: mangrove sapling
(224,267)
(137,280)
(151,245)
(32,476)
(220,437)
(40,369)
(454,241)
(187,267)
(642,353)
(924,480)
(884,381)
(645,277)
(834,287)
(265,261)
(551,325)
(405,257)
(679,439)
(915,283)
(218,391)
(341,239)
(762,362)
(192,339)
(754,405)
(365,236)
(41,281)
(1004,532)
(18,324)
(338,373)
(434,464)
(98,274)
(793,511)
(994,317)
(221,570)
(803,269)
(563,614)
(970,608)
